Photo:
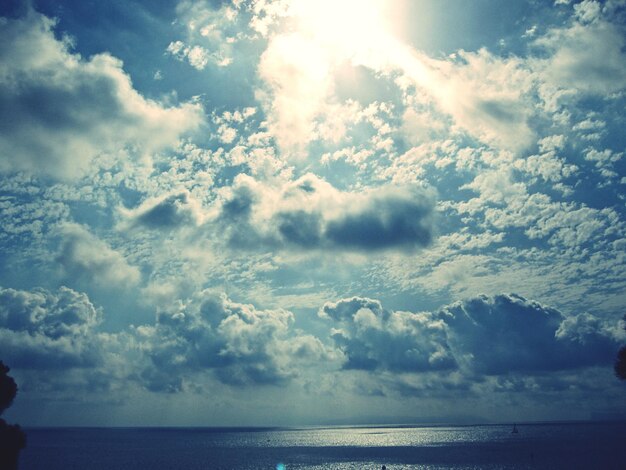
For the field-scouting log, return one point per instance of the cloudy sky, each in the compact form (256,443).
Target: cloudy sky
(255,212)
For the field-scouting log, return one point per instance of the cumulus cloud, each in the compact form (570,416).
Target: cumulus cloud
(59,110)
(167,212)
(84,256)
(40,329)
(373,338)
(484,335)
(586,58)
(310,213)
(487,96)
(239,343)
(53,338)
(523,336)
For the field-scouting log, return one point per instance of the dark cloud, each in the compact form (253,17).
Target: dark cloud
(171,211)
(485,335)
(390,219)
(300,228)
(40,329)
(160,380)
(309,213)
(500,111)
(239,205)
(507,333)
(344,310)
(235,217)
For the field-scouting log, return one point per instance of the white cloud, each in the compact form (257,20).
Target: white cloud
(499,335)
(605,162)
(47,330)
(58,110)
(587,58)
(83,256)
(197,56)
(548,164)
(372,338)
(487,96)
(418,161)
(297,73)
(212,33)
(241,344)
(588,11)
(512,145)
(497,186)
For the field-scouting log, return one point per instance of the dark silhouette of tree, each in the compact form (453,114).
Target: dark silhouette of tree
(8,388)
(620,364)
(12,438)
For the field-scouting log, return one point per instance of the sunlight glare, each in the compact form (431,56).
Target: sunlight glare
(345,25)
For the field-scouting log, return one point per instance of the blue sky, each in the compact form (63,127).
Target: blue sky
(298,212)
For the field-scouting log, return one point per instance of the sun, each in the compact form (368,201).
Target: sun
(346,26)
(362,32)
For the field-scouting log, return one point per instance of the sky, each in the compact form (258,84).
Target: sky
(290,212)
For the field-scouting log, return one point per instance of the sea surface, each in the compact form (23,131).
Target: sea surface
(549,446)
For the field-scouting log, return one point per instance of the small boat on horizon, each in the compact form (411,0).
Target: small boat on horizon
(514,431)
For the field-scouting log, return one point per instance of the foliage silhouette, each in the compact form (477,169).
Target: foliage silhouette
(8,388)
(12,438)
(620,364)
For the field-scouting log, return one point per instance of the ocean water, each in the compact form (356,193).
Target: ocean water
(546,446)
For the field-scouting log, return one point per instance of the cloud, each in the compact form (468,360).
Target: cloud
(523,336)
(586,58)
(83,256)
(52,339)
(40,329)
(307,56)
(213,29)
(492,98)
(498,335)
(547,165)
(588,11)
(300,70)
(239,343)
(375,339)
(310,213)
(298,77)
(166,212)
(487,96)
(197,56)
(58,110)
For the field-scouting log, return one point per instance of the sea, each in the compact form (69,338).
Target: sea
(589,445)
